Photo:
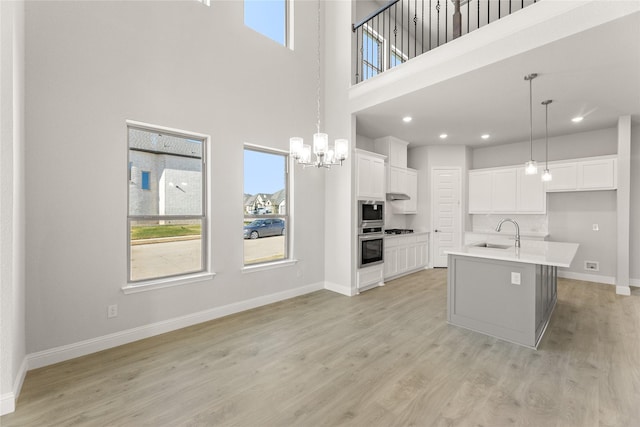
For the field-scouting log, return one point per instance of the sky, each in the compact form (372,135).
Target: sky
(266,17)
(263,172)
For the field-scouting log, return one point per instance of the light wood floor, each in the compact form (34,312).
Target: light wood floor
(384,358)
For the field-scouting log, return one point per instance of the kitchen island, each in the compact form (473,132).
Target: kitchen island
(503,291)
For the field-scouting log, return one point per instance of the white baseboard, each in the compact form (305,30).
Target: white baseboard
(634,282)
(8,400)
(608,280)
(82,348)
(341,289)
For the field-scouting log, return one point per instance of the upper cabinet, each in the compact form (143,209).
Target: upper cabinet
(395,149)
(370,182)
(508,190)
(584,175)
(505,191)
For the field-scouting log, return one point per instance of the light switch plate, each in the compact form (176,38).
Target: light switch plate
(515,278)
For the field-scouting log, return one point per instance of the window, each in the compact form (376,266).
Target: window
(266,206)
(145,180)
(397,57)
(167,215)
(268,17)
(372,48)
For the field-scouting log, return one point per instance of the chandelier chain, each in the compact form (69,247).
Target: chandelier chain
(318,67)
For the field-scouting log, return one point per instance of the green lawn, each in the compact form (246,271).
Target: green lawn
(155,231)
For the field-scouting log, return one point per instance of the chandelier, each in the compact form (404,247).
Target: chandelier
(325,156)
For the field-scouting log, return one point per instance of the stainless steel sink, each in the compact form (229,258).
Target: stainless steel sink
(491,246)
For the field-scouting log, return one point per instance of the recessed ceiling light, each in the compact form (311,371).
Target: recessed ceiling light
(407,119)
(443,136)
(577,119)
(485,136)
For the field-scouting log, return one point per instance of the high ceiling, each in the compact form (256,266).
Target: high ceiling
(595,74)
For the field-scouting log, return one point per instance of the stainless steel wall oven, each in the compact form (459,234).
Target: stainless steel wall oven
(370,246)
(370,213)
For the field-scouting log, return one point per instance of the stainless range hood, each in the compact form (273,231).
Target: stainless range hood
(397,196)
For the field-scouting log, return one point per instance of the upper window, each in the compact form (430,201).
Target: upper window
(266,206)
(268,17)
(372,48)
(167,215)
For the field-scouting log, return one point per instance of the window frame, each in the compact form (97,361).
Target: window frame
(368,31)
(204,273)
(287,218)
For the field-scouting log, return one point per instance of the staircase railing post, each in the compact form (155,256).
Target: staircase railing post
(457,20)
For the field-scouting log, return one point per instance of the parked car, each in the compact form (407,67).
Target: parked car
(263,228)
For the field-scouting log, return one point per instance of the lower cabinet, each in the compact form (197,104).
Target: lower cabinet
(370,277)
(405,254)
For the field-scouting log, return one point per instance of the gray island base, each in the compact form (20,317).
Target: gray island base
(505,293)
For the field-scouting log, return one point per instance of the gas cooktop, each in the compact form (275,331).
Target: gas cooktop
(398,231)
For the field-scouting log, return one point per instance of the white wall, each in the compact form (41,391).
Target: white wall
(339,200)
(12,205)
(93,65)
(634,226)
(581,144)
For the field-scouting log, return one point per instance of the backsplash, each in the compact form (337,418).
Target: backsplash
(527,223)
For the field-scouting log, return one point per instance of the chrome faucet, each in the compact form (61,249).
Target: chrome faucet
(502,221)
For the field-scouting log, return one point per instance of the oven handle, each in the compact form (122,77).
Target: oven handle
(370,236)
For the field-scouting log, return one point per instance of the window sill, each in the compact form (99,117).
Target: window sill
(269,266)
(152,285)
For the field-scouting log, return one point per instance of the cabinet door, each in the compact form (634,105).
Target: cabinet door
(390,262)
(411,257)
(365,169)
(504,191)
(397,180)
(596,175)
(398,153)
(378,179)
(371,177)
(411,205)
(402,259)
(480,192)
(422,255)
(565,177)
(531,195)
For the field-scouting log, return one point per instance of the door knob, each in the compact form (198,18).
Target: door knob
(436,231)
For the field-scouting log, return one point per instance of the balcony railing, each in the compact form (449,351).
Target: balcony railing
(404,29)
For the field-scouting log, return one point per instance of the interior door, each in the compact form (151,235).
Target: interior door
(446,213)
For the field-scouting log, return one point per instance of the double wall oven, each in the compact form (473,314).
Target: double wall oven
(370,233)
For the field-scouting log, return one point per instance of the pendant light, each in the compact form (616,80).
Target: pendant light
(531,167)
(326,156)
(546,175)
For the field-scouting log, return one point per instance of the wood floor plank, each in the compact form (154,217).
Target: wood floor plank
(384,358)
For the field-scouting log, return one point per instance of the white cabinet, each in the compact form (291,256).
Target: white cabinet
(405,254)
(397,180)
(480,191)
(370,183)
(530,196)
(370,277)
(404,181)
(395,149)
(565,177)
(583,175)
(505,191)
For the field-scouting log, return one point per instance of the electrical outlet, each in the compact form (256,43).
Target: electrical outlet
(515,278)
(592,265)
(595,227)
(112,311)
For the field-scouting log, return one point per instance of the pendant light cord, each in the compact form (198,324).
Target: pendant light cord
(531,77)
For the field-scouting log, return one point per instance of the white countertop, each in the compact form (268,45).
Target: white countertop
(556,254)
(492,232)
(415,233)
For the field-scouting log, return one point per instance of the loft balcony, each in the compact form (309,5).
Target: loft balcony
(400,30)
